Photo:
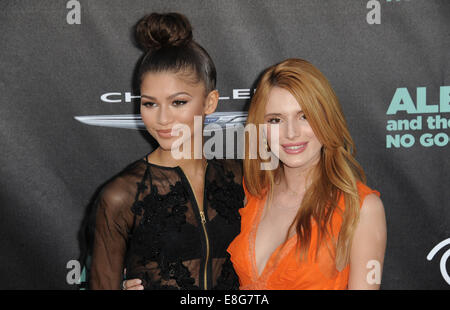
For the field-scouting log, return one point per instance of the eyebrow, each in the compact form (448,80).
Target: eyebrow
(279,114)
(170,97)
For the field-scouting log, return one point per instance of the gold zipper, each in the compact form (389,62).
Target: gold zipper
(203,221)
(205,279)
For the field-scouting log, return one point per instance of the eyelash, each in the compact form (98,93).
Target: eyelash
(270,120)
(152,104)
(145,104)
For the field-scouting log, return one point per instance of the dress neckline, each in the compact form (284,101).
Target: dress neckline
(285,248)
(184,176)
(145,159)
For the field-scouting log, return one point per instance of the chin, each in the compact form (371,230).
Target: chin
(165,146)
(293,163)
(168,144)
(299,161)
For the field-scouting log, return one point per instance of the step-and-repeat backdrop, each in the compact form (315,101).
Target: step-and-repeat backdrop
(69,119)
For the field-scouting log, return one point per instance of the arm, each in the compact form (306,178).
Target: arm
(110,240)
(368,246)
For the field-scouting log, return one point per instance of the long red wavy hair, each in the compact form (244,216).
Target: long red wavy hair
(337,172)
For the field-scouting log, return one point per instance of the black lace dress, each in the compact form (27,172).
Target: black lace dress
(148,222)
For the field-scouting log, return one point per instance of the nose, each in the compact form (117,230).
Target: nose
(164,115)
(293,129)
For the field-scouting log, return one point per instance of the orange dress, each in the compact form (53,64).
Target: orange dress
(287,272)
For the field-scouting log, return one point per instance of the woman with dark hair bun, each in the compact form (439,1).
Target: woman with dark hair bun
(168,220)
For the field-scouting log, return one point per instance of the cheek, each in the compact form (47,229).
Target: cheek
(186,114)
(272,129)
(148,117)
(314,141)
(307,130)
(185,117)
(309,133)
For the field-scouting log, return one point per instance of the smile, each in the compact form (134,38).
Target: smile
(165,133)
(294,148)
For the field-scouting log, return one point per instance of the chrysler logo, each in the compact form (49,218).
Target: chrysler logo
(226,120)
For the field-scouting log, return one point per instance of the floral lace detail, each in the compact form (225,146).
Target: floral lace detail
(166,250)
(225,197)
(174,271)
(162,213)
(147,221)
(178,272)
(165,212)
(228,279)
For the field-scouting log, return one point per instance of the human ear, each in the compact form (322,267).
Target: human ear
(211,102)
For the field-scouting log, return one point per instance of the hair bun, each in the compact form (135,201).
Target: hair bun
(155,31)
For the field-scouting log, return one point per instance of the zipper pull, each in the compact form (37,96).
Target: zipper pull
(202,216)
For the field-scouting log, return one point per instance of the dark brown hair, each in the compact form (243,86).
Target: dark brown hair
(169,46)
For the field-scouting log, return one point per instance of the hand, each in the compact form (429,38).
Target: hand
(133,284)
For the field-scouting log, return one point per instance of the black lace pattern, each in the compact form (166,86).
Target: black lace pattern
(166,244)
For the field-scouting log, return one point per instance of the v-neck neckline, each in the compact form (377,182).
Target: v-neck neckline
(268,268)
(184,175)
(192,189)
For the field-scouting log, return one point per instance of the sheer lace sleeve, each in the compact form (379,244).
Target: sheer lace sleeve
(112,226)
(148,221)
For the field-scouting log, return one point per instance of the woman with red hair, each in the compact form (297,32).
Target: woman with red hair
(312,222)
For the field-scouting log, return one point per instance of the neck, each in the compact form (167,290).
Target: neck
(295,180)
(165,158)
